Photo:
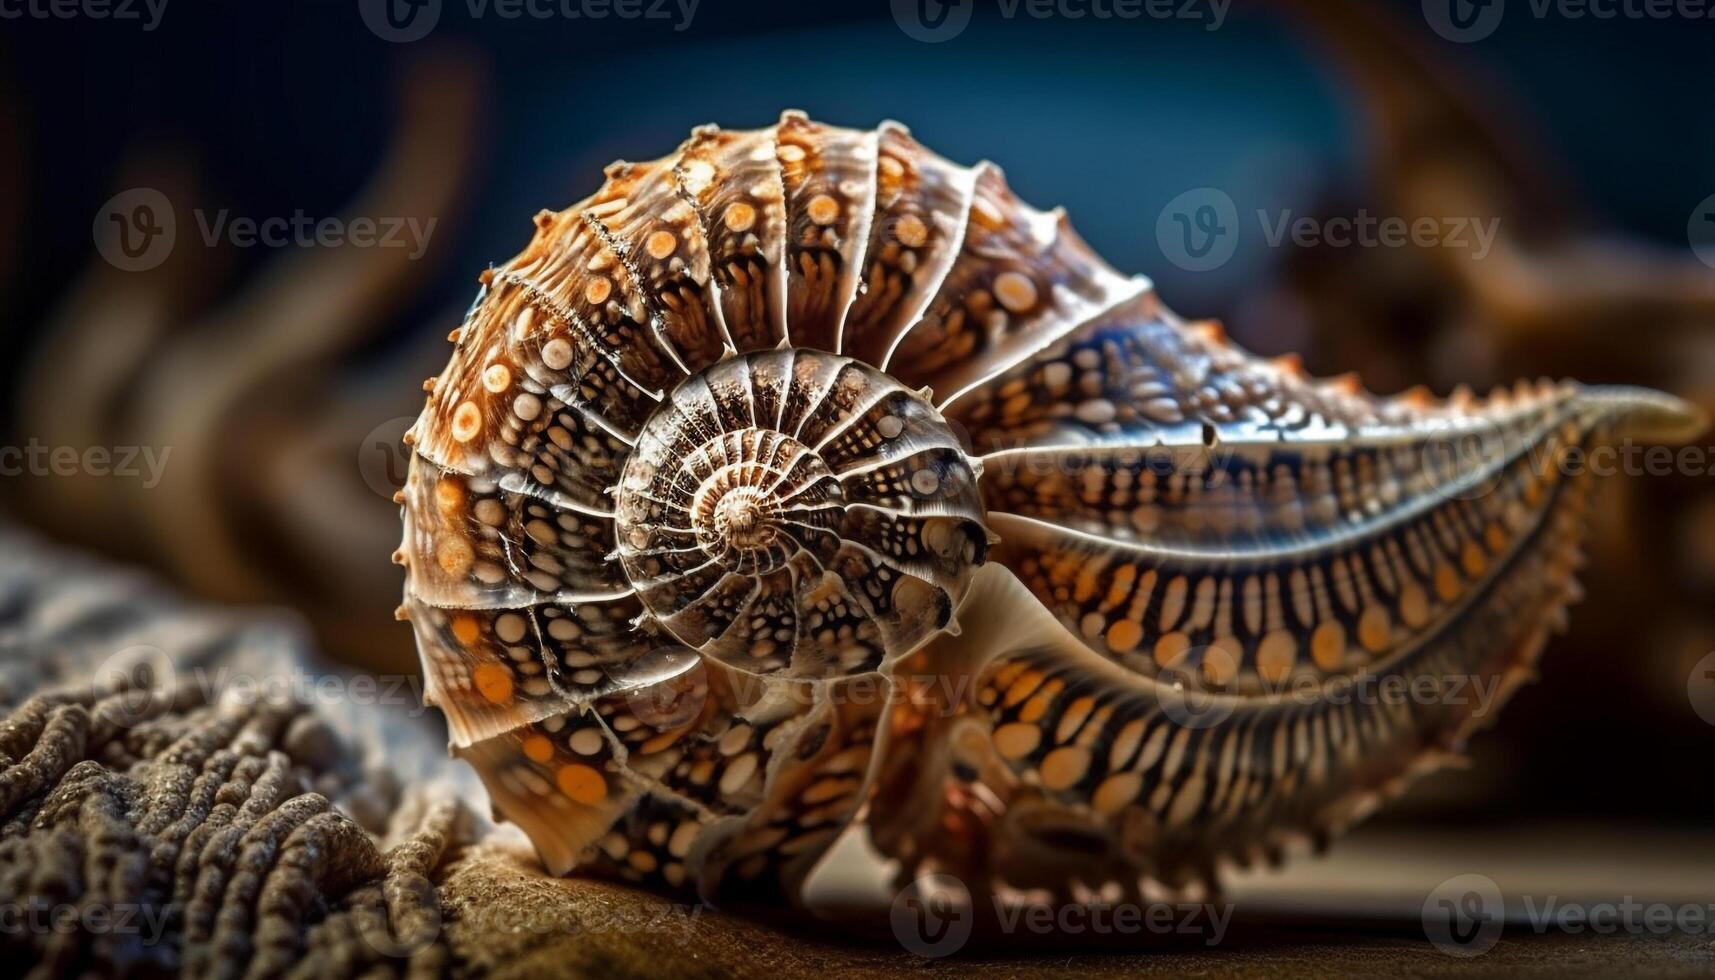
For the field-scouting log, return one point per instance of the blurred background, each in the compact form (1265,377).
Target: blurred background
(260,388)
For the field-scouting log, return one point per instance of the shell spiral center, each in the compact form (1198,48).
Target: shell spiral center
(761,483)
(793,508)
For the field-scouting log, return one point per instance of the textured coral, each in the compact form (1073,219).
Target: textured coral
(187,827)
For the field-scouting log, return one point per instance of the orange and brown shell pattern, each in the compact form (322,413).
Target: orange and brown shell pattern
(802,491)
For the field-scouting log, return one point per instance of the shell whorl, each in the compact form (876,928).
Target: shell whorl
(802,480)
(778,482)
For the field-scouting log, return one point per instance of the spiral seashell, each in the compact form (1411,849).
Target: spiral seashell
(796,488)
(803,489)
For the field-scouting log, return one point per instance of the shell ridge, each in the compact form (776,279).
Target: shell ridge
(569,399)
(828,185)
(852,274)
(543,300)
(641,295)
(977,173)
(517,483)
(747,385)
(716,299)
(851,419)
(827,376)
(652,225)
(916,233)
(459,683)
(1027,281)
(788,372)
(742,224)
(1351,536)
(1142,291)
(781,294)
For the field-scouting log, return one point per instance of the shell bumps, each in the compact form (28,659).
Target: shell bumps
(802,498)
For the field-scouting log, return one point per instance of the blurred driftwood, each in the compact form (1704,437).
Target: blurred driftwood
(252,391)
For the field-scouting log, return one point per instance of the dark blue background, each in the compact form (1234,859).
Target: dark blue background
(286,104)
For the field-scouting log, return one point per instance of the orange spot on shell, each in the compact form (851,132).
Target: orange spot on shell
(1472,557)
(1220,662)
(597,292)
(581,783)
(1124,636)
(1328,646)
(1375,629)
(1064,767)
(1447,583)
(1115,792)
(557,354)
(1022,687)
(823,210)
(661,244)
(1016,740)
(467,421)
(1275,656)
(1015,291)
(455,556)
(1039,703)
(538,749)
(494,683)
(1170,648)
(911,231)
(739,216)
(1495,537)
(1085,587)
(466,630)
(449,495)
(1413,606)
